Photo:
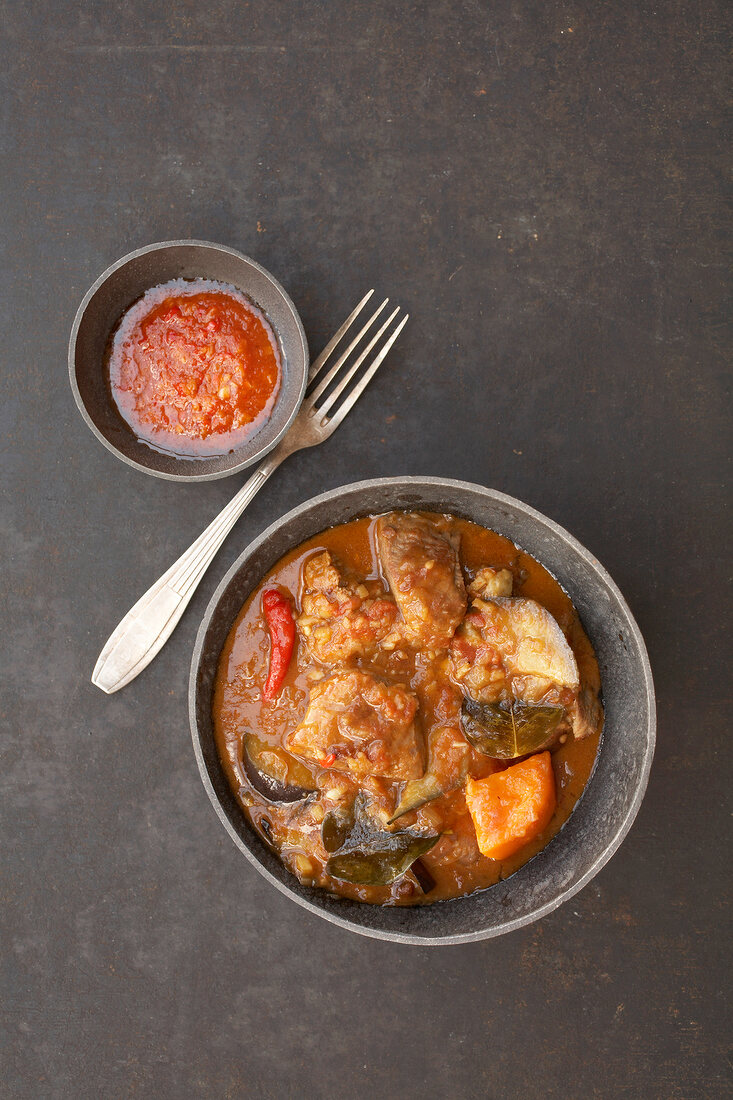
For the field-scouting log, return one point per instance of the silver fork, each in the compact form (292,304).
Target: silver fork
(149,624)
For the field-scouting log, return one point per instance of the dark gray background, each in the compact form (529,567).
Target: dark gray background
(540,185)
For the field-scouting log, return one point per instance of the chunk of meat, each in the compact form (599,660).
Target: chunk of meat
(320,574)
(513,648)
(490,582)
(342,617)
(458,843)
(511,808)
(449,755)
(358,724)
(585,713)
(420,562)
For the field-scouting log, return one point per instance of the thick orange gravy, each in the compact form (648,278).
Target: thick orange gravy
(293,829)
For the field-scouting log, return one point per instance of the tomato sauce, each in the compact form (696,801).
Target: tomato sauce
(194,367)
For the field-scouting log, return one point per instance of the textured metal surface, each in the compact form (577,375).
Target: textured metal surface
(547,206)
(614,793)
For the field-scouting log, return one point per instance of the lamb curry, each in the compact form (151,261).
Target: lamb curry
(407,708)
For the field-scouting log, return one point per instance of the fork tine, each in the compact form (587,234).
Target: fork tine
(329,377)
(343,383)
(366,378)
(321,360)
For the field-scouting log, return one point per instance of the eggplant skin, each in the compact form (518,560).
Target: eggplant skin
(269,787)
(416,793)
(424,879)
(506,731)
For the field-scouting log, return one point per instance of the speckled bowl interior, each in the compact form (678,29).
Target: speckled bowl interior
(116,290)
(614,792)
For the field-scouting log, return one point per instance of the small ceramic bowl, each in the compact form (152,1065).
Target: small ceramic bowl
(612,797)
(116,290)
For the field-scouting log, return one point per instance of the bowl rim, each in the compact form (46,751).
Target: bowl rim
(610,847)
(156,246)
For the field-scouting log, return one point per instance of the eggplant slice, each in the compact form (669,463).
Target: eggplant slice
(424,879)
(416,793)
(271,788)
(446,770)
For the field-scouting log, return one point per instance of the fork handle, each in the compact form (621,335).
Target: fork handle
(149,624)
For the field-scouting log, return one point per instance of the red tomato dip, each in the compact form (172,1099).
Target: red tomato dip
(194,367)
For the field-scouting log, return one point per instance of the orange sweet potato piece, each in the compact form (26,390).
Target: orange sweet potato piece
(512,807)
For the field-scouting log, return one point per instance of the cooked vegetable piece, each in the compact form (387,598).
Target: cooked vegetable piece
(507,730)
(365,853)
(336,828)
(448,759)
(255,757)
(424,879)
(281,625)
(416,793)
(490,582)
(512,807)
(534,644)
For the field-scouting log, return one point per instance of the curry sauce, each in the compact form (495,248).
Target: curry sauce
(275,736)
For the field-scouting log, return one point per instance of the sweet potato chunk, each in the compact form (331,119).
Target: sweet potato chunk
(420,562)
(512,807)
(358,724)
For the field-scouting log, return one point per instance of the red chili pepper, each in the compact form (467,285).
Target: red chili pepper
(280,623)
(328,760)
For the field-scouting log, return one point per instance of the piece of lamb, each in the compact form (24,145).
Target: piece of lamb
(342,617)
(420,562)
(358,724)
